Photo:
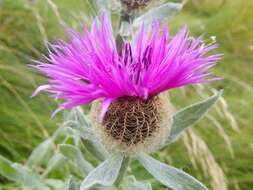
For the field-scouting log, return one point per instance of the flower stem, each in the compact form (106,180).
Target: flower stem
(123,169)
(124,20)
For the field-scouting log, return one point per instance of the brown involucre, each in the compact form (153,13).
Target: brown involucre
(131,5)
(132,124)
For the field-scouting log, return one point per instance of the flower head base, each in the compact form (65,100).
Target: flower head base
(133,125)
(131,5)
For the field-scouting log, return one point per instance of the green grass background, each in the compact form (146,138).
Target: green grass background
(25,122)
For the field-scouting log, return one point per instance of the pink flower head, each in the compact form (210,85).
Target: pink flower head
(89,67)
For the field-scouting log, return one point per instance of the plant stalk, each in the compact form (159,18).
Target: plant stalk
(123,170)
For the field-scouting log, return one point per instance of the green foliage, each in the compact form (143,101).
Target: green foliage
(7,170)
(107,175)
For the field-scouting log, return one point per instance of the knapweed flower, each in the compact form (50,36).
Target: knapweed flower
(135,114)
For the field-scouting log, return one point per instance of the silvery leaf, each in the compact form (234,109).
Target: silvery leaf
(166,10)
(55,184)
(105,174)
(96,149)
(75,134)
(103,5)
(81,127)
(71,184)
(190,115)
(169,176)
(29,179)
(7,170)
(91,142)
(130,183)
(58,132)
(77,120)
(77,115)
(40,152)
(56,161)
(84,132)
(74,154)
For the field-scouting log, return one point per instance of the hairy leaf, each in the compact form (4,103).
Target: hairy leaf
(39,153)
(190,115)
(29,179)
(56,161)
(55,184)
(71,184)
(81,128)
(105,174)
(130,183)
(169,176)
(74,154)
(77,115)
(166,10)
(7,170)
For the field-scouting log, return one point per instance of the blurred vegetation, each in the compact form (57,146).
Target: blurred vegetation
(223,138)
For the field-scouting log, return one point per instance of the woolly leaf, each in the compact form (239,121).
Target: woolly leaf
(166,10)
(56,161)
(74,154)
(190,115)
(84,132)
(96,149)
(103,6)
(77,115)
(105,174)
(29,179)
(77,120)
(40,152)
(20,174)
(55,184)
(71,184)
(81,127)
(169,176)
(7,170)
(130,183)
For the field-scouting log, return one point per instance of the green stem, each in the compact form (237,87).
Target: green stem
(124,17)
(123,170)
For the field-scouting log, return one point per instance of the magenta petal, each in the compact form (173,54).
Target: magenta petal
(89,67)
(56,111)
(104,107)
(39,89)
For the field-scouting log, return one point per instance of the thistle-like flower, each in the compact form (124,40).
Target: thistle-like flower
(135,113)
